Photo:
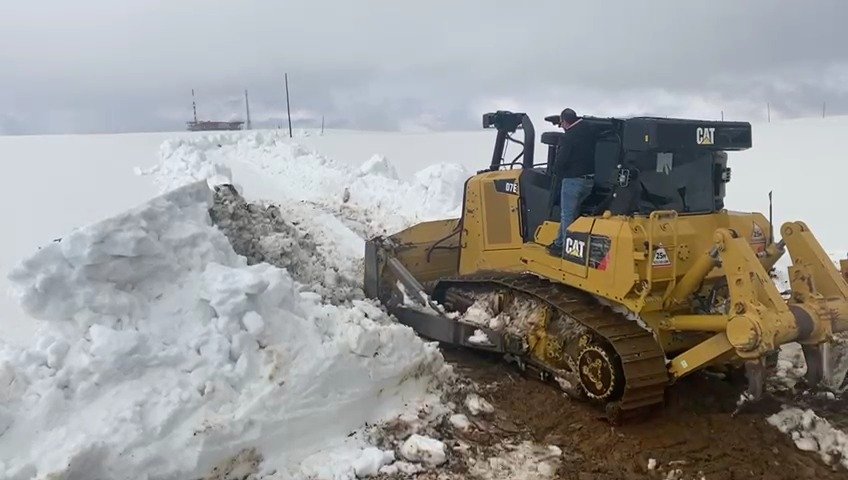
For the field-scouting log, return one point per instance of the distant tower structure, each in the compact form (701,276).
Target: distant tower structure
(206,125)
(247,108)
(194,105)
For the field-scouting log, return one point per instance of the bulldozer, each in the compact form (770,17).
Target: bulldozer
(657,279)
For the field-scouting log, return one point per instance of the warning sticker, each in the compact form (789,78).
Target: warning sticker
(757,235)
(661,257)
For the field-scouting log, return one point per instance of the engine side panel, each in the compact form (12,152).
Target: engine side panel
(491,236)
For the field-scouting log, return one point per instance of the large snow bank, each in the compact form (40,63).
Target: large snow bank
(277,169)
(167,353)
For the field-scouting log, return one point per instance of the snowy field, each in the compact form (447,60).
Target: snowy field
(145,333)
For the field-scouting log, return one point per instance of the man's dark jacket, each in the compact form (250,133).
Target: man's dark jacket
(575,156)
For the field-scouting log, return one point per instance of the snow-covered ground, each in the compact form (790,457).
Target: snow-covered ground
(156,336)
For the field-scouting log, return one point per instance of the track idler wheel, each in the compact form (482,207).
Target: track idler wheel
(600,373)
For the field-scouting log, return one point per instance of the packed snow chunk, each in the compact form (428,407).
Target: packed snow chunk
(426,450)
(460,421)
(477,404)
(346,463)
(442,184)
(378,165)
(479,338)
(812,433)
(401,467)
(837,352)
(56,353)
(371,460)
(253,323)
(524,461)
(187,165)
(159,338)
(652,464)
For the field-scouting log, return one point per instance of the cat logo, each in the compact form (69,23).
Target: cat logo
(574,248)
(705,136)
(757,235)
(661,257)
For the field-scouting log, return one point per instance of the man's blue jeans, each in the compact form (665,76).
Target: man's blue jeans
(574,191)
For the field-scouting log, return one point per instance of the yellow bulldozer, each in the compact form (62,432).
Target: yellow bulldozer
(657,279)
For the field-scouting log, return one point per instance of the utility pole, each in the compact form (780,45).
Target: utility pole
(288,107)
(247,108)
(194,105)
(322,125)
(768,112)
(722,115)
(823,105)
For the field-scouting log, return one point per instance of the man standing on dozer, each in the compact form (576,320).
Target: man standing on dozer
(573,172)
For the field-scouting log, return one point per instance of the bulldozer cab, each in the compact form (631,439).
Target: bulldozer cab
(642,165)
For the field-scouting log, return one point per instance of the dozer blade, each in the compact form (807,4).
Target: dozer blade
(417,310)
(445,330)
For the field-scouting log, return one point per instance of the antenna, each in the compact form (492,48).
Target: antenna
(247,108)
(194,105)
(771,218)
(288,109)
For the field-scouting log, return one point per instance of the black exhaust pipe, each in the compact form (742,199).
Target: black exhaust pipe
(508,122)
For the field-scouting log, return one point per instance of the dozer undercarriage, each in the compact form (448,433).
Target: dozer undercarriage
(654,283)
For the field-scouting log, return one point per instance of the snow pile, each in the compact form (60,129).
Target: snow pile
(378,165)
(838,361)
(263,234)
(790,367)
(161,339)
(524,461)
(286,171)
(812,433)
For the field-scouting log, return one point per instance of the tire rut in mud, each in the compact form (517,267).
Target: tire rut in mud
(694,436)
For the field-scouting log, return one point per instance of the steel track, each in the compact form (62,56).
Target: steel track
(642,359)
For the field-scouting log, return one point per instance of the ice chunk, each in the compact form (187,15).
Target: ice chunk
(371,460)
(477,404)
(426,450)
(460,421)
(479,338)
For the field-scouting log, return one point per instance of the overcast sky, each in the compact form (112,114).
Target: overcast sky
(118,65)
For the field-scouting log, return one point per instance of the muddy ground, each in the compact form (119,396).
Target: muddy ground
(694,436)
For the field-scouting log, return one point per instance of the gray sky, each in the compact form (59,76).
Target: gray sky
(116,65)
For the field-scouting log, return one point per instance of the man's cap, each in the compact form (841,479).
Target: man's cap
(568,115)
